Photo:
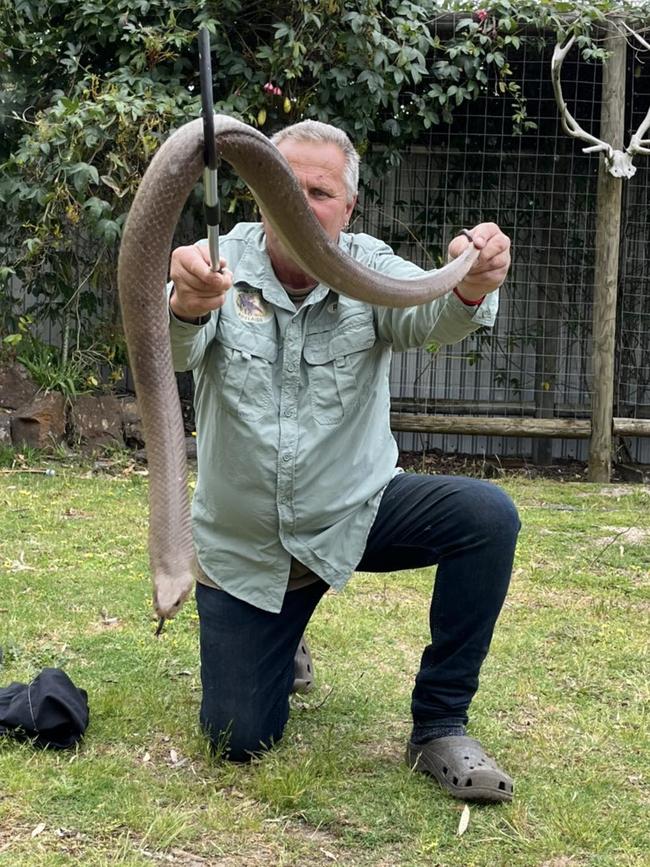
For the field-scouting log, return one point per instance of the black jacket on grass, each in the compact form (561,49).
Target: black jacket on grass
(50,711)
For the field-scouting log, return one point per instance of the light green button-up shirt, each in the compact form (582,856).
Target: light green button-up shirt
(292,416)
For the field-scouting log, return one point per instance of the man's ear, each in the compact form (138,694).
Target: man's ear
(349,208)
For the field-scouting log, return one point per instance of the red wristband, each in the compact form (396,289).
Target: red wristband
(467,301)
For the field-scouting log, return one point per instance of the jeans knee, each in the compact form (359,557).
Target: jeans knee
(506,516)
(491,514)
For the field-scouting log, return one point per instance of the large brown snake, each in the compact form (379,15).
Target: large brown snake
(142,275)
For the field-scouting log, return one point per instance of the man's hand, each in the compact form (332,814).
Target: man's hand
(197,290)
(490,269)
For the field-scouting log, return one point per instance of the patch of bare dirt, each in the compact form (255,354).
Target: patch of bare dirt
(261,855)
(624,536)
(563,861)
(571,600)
(495,467)
(618,491)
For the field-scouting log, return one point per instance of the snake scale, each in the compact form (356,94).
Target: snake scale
(142,275)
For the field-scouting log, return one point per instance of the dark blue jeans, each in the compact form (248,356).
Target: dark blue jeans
(468,527)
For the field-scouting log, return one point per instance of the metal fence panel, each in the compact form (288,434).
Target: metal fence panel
(541,189)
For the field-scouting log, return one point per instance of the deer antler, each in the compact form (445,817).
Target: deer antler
(636,35)
(569,124)
(638,144)
(619,163)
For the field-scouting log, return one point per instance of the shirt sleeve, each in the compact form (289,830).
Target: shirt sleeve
(444,320)
(189,341)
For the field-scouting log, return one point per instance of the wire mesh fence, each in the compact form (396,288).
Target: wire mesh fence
(542,190)
(632,377)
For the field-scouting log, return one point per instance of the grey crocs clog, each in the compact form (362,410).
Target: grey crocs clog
(462,768)
(303,669)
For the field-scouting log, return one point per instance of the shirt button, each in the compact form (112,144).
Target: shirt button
(286,456)
(288,413)
(291,367)
(284,500)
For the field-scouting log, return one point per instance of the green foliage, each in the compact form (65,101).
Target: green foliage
(89,89)
(82,369)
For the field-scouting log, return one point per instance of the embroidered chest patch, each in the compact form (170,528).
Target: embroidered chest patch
(251,307)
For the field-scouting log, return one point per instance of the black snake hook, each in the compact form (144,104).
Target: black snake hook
(212,206)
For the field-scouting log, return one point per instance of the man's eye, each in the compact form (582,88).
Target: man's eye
(320,194)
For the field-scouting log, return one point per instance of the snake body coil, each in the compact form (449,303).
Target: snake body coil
(142,275)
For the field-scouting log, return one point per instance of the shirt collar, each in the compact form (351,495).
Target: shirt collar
(254,271)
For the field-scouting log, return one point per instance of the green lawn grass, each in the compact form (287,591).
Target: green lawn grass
(563,702)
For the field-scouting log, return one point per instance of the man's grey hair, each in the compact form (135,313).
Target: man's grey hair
(316,131)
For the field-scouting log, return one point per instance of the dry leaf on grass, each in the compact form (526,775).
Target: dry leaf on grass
(176,761)
(464,821)
(107,620)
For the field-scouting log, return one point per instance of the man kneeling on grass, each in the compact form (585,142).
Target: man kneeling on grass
(297,480)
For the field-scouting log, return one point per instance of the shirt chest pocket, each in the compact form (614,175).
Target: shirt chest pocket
(339,371)
(242,370)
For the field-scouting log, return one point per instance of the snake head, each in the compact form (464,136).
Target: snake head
(170,592)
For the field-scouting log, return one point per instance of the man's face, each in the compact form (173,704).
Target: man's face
(319,168)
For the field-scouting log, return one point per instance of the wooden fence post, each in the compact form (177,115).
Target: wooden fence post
(608,230)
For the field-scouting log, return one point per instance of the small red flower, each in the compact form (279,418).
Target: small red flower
(272,89)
